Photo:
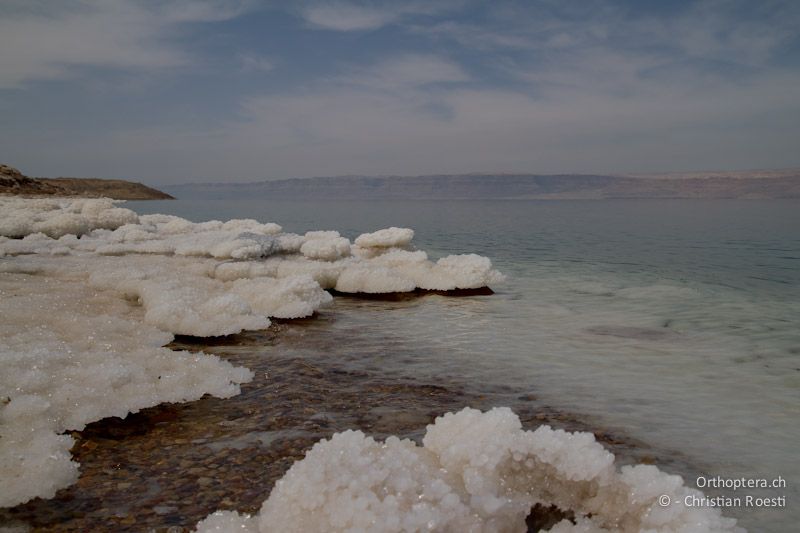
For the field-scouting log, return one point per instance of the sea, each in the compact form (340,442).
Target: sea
(675,323)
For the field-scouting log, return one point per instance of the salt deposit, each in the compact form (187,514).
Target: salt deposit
(325,245)
(57,217)
(386,238)
(379,262)
(91,292)
(475,472)
(72,355)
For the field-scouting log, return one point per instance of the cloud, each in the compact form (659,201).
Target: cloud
(45,40)
(255,63)
(335,129)
(474,36)
(348,17)
(174,11)
(351,16)
(406,71)
(732,31)
(523,26)
(520,90)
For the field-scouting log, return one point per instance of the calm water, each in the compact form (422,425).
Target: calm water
(675,322)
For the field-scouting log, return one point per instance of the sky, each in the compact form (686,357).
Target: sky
(179,91)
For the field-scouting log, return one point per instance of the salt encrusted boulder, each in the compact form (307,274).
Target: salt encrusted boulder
(290,243)
(477,472)
(325,246)
(368,279)
(57,217)
(269,245)
(291,297)
(386,238)
(326,249)
(251,226)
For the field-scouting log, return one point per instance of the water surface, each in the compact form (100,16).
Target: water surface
(674,322)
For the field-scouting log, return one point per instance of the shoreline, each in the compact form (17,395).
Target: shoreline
(230,452)
(123,280)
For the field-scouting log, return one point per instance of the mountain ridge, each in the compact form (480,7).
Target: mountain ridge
(768,184)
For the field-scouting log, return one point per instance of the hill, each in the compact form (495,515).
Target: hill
(13,182)
(717,185)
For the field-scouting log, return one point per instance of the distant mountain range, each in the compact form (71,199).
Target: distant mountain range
(770,184)
(762,184)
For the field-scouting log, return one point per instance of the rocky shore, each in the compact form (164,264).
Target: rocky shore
(14,182)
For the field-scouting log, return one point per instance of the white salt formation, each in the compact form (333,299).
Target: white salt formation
(55,217)
(380,262)
(386,238)
(90,293)
(70,356)
(325,245)
(477,472)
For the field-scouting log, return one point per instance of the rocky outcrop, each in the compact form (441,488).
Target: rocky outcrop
(14,182)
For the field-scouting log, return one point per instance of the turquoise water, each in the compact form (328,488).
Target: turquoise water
(674,322)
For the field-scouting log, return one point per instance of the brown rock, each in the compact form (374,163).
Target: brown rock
(14,182)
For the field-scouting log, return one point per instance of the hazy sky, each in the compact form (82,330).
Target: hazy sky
(208,90)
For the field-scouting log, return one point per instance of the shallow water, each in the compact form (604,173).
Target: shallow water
(674,322)
(168,467)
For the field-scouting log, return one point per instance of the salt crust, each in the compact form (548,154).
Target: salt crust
(379,262)
(75,350)
(72,355)
(386,238)
(91,292)
(56,217)
(476,472)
